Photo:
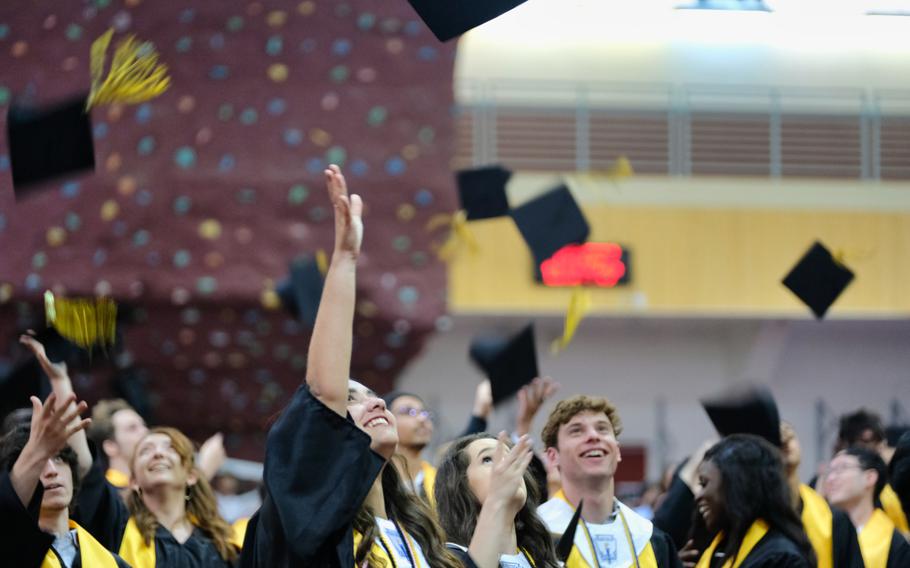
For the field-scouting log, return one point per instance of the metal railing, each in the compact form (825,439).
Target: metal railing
(686,130)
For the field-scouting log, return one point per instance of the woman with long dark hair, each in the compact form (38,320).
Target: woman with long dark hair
(744,501)
(332,498)
(486,500)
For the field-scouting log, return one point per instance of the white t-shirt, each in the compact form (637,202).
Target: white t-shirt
(397,547)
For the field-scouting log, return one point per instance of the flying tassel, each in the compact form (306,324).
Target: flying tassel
(579,306)
(621,168)
(459,233)
(135,75)
(85,322)
(322,262)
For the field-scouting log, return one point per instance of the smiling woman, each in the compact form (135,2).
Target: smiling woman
(171,518)
(331,498)
(744,500)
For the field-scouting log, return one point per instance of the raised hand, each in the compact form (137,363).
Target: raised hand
(212,456)
(483,400)
(348,211)
(53,370)
(530,398)
(509,466)
(53,424)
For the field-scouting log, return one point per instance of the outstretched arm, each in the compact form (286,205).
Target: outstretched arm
(329,358)
(62,386)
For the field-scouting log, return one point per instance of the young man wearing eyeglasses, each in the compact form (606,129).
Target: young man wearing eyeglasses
(415,430)
(854,481)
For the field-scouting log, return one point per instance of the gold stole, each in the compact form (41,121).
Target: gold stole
(117,478)
(91,553)
(238,531)
(818,522)
(756,532)
(133,548)
(576,559)
(429,483)
(875,540)
(892,506)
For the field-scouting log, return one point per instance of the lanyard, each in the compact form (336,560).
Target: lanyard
(389,548)
(627,532)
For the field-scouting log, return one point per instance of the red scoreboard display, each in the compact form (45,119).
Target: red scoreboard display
(590,264)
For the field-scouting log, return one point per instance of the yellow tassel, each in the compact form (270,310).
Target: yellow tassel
(621,168)
(579,305)
(85,322)
(459,234)
(322,262)
(135,75)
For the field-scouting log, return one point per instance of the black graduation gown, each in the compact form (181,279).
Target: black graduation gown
(899,555)
(319,468)
(774,550)
(675,518)
(22,541)
(101,512)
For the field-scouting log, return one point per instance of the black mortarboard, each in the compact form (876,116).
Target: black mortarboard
(482,192)
(818,279)
(567,540)
(48,142)
(301,292)
(550,222)
(27,379)
(745,409)
(451,18)
(509,362)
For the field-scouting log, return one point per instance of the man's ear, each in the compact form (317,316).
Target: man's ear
(618,453)
(110,448)
(552,457)
(870,478)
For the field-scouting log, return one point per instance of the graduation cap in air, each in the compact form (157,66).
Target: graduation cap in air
(482,192)
(45,143)
(509,362)
(818,279)
(48,142)
(301,291)
(550,222)
(567,540)
(745,409)
(451,18)
(27,379)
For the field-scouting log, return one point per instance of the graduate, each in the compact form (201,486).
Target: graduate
(415,430)
(39,475)
(829,529)
(116,429)
(332,499)
(486,501)
(744,502)
(580,437)
(854,480)
(171,519)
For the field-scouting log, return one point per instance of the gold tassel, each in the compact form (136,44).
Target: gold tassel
(579,306)
(322,262)
(135,75)
(621,168)
(459,233)
(85,322)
